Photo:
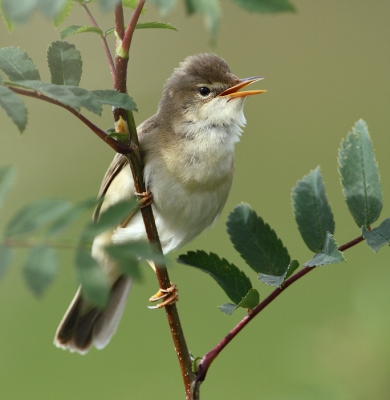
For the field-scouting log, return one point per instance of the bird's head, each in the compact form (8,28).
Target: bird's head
(203,93)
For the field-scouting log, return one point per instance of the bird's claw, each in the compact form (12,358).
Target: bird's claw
(170,296)
(145,198)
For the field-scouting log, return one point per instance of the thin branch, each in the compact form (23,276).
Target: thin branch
(117,146)
(126,42)
(136,164)
(120,81)
(119,21)
(352,243)
(207,360)
(104,40)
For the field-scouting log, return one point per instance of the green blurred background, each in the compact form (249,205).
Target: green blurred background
(325,338)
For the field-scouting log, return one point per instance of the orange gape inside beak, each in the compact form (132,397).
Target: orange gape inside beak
(233,92)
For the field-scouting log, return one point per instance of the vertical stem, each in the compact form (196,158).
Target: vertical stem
(104,40)
(124,38)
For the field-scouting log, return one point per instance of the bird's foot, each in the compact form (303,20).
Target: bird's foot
(145,198)
(170,296)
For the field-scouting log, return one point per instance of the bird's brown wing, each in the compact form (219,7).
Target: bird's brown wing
(120,161)
(113,170)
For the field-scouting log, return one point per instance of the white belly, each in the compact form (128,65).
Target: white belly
(181,211)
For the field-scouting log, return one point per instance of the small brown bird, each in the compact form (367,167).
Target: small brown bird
(188,151)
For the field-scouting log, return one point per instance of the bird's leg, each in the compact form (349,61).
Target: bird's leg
(144,198)
(169,295)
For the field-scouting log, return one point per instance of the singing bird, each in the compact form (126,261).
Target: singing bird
(188,152)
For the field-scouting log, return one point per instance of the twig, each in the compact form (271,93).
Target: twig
(206,361)
(124,38)
(117,146)
(126,42)
(104,40)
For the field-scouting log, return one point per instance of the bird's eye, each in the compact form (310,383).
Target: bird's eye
(204,91)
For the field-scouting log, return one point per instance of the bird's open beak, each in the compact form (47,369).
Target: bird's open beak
(233,92)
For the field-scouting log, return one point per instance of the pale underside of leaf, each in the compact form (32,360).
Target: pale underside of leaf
(378,237)
(329,255)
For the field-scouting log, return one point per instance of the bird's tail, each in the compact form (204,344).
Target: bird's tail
(84,325)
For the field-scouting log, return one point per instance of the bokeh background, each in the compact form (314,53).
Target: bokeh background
(325,66)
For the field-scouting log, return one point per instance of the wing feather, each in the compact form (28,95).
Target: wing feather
(113,170)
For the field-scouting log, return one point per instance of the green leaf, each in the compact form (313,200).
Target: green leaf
(154,24)
(294,264)
(227,308)
(60,93)
(164,6)
(50,9)
(14,106)
(19,11)
(133,3)
(250,301)
(63,14)
(210,10)
(94,282)
(146,25)
(233,281)
(330,254)
(128,256)
(72,96)
(360,176)
(190,9)
(265,6)
(257,243)
(130,3)
(87,99)
(140,250)
(118,136)
(74,29)
(110,218)
(35,215)
(71,215)
(16,63)
(9,24)
(40,268)
(378,237)
(115,99)
(7,178)
(107,5)
(312,210)
(5,258)
(272,280)
(65,63)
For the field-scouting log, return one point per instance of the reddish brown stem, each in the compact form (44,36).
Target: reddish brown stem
(104,41)
(117,146)
(136,164)
(119,21)
(126,42)
(120,81)
(207,360)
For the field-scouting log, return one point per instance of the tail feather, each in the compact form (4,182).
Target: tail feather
(84,325)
